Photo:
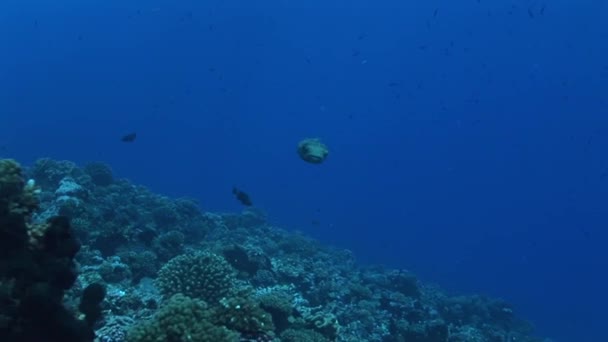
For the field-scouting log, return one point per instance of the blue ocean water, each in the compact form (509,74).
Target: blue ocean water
(467,140)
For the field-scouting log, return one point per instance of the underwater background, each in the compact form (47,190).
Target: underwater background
(467,140)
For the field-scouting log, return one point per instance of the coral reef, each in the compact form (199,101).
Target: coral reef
(37,268)
(176,273)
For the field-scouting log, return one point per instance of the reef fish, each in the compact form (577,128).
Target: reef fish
(129,137)
(242,197)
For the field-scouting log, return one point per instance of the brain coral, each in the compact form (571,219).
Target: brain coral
(199,275)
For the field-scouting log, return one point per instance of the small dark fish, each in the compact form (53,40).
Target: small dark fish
(435,12)
(530,13)
(129,137)
(242,197)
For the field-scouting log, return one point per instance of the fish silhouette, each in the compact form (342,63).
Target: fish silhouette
(129,137)
(242,197)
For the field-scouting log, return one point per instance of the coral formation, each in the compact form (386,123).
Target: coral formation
(223,276)
(241,313)
(48,172)
(17,196)
(200,275)
(247,262)
(298,335)
(36,268)
(279,304)
(100,173)
(181,319)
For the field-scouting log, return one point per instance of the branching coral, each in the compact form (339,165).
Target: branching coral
(182,319)
(198,275)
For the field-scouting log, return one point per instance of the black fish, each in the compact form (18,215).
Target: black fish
(242,197)
(129,137)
